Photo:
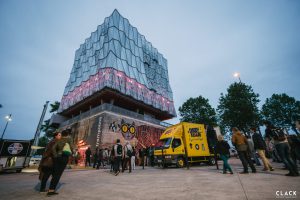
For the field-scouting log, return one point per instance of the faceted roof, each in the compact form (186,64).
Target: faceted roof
(136,68)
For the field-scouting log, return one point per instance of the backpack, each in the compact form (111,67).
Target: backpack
(129,152)
(66,150)
(278,134)
(119,149)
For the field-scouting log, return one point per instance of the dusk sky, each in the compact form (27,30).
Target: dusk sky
(205,42)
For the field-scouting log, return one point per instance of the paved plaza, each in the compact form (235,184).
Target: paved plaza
(199,182)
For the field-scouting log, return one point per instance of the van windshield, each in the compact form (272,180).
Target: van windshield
(165,143)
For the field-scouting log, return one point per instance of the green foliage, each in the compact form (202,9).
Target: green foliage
(282,110)
(54,107)
(43,141)
(46,127)
(198,110)
(238,108)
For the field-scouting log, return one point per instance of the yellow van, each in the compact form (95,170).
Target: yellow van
(183,142)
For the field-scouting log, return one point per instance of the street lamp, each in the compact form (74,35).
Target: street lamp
(237,75)
(8,119)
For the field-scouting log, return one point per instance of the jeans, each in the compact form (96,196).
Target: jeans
(245,158)
(125,163)
(99,161)
(226,166)
(253,154)
(283,150)
(133,162)
(88,160)
(47,172)
(60,164)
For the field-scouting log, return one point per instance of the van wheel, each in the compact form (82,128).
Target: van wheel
(19,170)
(180,162)
(211,161)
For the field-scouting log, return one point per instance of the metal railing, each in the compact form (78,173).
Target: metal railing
(114,109)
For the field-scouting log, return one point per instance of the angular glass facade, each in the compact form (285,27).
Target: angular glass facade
(117,56)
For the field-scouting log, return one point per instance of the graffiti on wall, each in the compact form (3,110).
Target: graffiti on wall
(147,136)
(127,129)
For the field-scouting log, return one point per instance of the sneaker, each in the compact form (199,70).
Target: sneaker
(51,193)
(43,191)
(271,169)
(231,172)
(117,173)
(289,174)
(254,171)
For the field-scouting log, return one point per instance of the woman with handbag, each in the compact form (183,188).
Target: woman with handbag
(240,142)
(46,164)
(61,150)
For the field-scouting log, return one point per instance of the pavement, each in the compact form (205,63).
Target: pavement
(199,182)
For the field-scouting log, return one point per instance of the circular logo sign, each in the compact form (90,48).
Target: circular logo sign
(197,146)
(15,148)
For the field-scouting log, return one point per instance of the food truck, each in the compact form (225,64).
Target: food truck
(14,154)
(181,143)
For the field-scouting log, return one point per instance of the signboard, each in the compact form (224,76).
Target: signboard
(14,148)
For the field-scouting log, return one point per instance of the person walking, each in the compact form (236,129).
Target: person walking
(76,156)
(240,142)
(252,151)
(88,153)
(142,152)
(105,156)
(61,151)
(112,158)
(118,152)
(95,156)
(100,159)
(127,157)
(282,147)
(260,147)
(133,158)
(222,147)
(46,164)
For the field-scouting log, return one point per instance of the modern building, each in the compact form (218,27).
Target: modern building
(118,88)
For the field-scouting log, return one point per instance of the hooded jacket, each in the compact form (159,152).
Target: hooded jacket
(238,138)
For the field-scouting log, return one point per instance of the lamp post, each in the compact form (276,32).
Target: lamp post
(237,75)
(8,119)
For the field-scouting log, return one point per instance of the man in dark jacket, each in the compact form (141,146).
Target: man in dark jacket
(96,157)
(260,147)
(282,147)
(88,153)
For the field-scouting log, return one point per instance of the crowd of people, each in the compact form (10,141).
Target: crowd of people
(277,142)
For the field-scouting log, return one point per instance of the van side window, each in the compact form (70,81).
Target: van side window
(176,143)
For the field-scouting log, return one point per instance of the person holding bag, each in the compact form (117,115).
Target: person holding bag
(46,164)
(240,142)
(61,150)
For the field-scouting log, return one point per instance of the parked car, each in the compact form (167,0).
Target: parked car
(35,160)
(14,154)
